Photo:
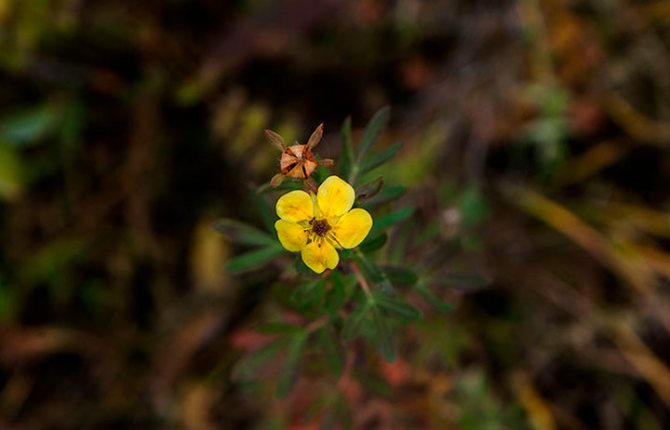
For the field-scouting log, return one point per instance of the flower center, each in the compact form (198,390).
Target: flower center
(320,227)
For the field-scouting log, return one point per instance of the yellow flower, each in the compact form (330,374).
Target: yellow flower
(315,225)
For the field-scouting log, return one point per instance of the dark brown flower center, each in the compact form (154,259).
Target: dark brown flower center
(320,227)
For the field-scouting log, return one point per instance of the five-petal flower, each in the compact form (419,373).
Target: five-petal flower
(315,225)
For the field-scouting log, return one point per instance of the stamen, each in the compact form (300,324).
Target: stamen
(332,238)
(320,227)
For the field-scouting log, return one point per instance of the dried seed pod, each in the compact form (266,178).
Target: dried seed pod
(297,161)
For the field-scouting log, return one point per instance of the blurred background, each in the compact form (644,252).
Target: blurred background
(536,133)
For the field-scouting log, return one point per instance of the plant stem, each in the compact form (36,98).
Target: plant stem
(362,281)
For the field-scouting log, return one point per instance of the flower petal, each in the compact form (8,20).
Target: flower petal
(295,206)
(352,228)
(292,236)
(319,256)
(335,197)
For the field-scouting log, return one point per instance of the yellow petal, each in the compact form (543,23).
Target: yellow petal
(295,206)
(319,256)
(335,197)
(353,227)
(291,235)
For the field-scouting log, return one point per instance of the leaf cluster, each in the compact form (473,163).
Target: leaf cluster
(366,298)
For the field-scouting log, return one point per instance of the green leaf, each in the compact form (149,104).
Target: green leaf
(340,292)
(380,157)
(397,307)
(432,298)
(332,349)
(375,243)
(279,328)
(369,190)
(253,259)
(370,135)
(248,366)
(352,325)
(472,206)
(374,128)
(28,125)
(400,275)
(385,221)
(320,174)
(293,359)
(242,233)
(289,184)
(386,195)
(374,273)
(301,267)
(263,208)
(309,294)
(382,335)
(51,261)
(347,156)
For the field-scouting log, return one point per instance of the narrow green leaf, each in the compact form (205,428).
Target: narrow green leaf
(370,135)
(374,273)
(382,335)
(353,323)
(289,184)
(278,327)
(28,125)
(54,258)
(293,359)
(309,295)
(434,300)
(340,292)
(472,206)
(253,259)
(332,349)
(369,190)
(347,156)
(385,221)
(242,233)
(372,244)
(380,157)
(248,366)
(374,128)
(397,307)
(400,275)
(263,208)
(386,195)
(320,174)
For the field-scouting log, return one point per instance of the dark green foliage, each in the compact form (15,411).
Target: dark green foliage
(372,244)
(355,160)
(385,196)
(385,221)
(294,356)
(250,365)
(361,299)
(242,233)
(332,349)
(254,259)
(380,157)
